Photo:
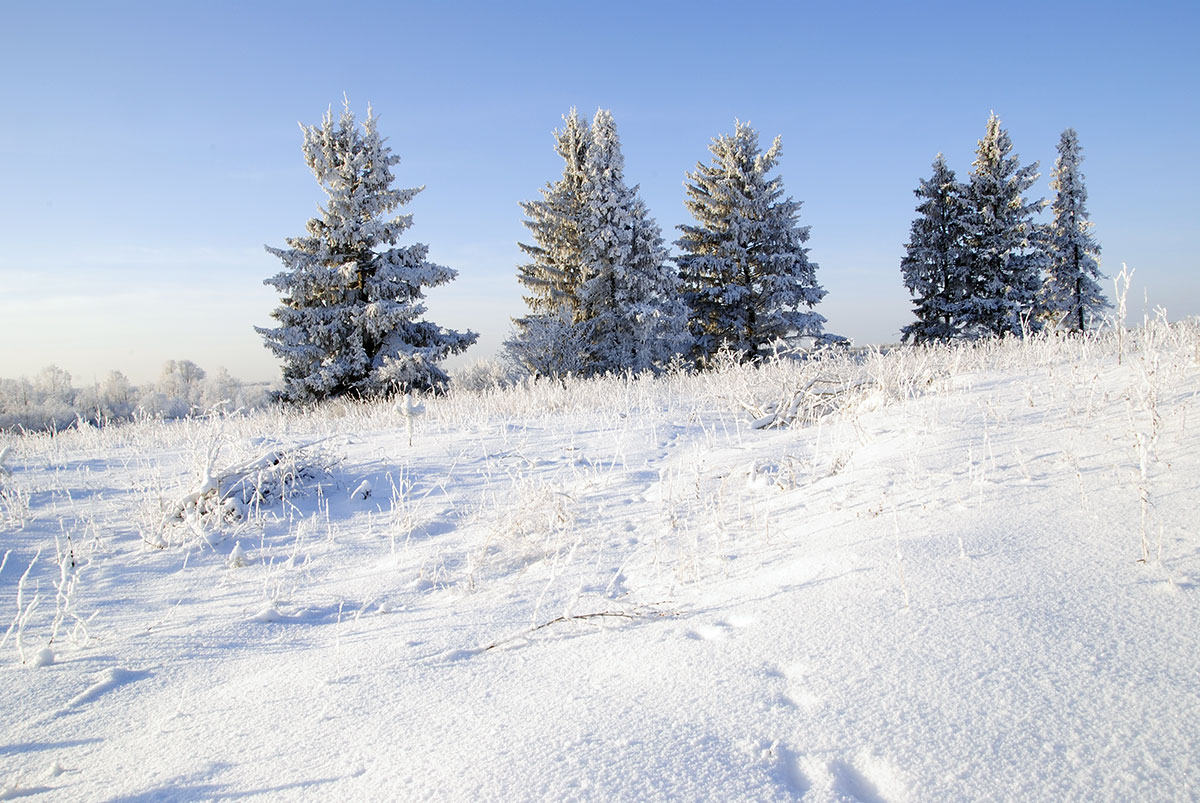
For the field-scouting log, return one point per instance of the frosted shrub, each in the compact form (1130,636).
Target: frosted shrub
(240,490)
(482,376)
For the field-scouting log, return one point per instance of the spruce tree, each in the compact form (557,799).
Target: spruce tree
(744,268)
(601,297)
(552,276)
(1005,244)
(1072,290)
(628,300)
(350,321)
(545,341)
(933,265)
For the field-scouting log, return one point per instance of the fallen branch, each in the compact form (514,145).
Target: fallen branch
(640,613)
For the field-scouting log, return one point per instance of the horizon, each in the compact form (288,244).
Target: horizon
(155,150)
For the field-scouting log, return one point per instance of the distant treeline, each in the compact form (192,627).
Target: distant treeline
(49,401)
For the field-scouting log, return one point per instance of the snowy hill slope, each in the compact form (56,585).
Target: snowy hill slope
(955,573)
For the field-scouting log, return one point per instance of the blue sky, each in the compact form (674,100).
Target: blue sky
(152,149)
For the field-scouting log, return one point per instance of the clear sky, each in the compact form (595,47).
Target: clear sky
(152,149)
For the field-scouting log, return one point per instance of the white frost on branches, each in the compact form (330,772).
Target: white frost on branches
(934,263)
(1005,245)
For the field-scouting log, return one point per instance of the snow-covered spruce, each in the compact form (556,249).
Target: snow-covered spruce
(351,317)
(745,271)
(546,342)
(1073,294)
(1005,245)
(933,265)
(601,294)
(551,277)
(629,304)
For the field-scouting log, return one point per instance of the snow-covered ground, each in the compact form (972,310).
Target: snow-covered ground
(957,573)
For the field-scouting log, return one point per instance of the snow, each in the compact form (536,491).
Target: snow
(928,586)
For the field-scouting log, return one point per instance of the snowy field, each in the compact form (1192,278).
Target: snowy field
(947,574)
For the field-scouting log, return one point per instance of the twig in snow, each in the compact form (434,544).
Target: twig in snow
(575,617)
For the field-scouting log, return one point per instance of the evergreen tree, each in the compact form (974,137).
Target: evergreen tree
(350,318)
(1072,290)
(546,342)
(933,263)
(745,270)
(600,295)
(552,276)
(628,301)
(1005,245)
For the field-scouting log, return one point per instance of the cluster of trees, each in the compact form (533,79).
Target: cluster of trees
(50,402)
(603,294)
(978,264)
(602,291)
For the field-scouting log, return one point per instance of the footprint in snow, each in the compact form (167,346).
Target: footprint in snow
(797,691)
(871,779)
(112,679)
(711,632)
(785,766)
(719,629)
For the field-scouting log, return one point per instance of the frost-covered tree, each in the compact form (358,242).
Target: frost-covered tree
(628,300)
(222,391)
(56,397)
(547,341)
(1006,251)
(1073,292)
(53,384)
(552,275)
(933,264)
(547,344)
(744,268)
(114,399)
(182,382)
(600,294)
(351,318)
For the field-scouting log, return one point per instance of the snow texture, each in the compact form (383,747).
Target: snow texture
(948,572)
